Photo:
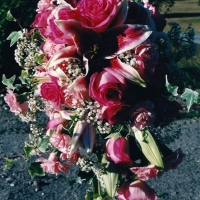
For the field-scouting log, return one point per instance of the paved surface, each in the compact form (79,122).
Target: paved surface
(16,183)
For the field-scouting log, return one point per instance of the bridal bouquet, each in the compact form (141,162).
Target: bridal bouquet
(99,70)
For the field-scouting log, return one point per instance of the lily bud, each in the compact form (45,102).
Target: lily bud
(89,135)
(78,130)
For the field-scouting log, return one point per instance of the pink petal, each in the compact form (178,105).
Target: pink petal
(127,71)
(122,38)
(63,54)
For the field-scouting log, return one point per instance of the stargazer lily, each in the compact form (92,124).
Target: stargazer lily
(101,50)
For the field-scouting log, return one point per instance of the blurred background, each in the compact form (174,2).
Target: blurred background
(181,11)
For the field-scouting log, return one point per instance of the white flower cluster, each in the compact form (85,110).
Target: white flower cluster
(90,111)
(127,57)
(26,50)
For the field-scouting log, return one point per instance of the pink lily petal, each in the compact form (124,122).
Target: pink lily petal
(122,38)
(127,71)
(63,54)
(84,38)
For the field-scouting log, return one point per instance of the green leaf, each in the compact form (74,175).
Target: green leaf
(42,144)
(190,96)
(8,82)
(149,147)
(27,150)
(113,135)
(10,17)
(21,98)
(8,163)
(35,169)
(89,195)
(39,58)
(172,89)
(24,77)
(110,179)
(14,36)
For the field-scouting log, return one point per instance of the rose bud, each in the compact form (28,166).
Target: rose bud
(118,151)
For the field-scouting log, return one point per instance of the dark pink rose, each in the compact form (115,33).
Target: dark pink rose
(145,173)
(137,190)
(40,21)
(66,12)
(55,34)
(142,114)
(115,114)
(173,160)
(52,165)
(118,151)
(51,92)
(60,141)
(99,14)
(148,53)
(107,87)
(15,106)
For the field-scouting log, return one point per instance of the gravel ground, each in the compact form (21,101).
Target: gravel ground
(16,183)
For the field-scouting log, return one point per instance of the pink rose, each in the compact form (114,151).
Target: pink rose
(40,21)
(173,160)
(60,141)
(137,190)
(107,87)
(71,158)
(142,114)
(51,92)
(15,106)
(50,48)
(75,93)
(118,151)
(44,4)
(148,53)
(98,14)
(115,114)
(55,34)
(55,120)
(145,173)
(52,165)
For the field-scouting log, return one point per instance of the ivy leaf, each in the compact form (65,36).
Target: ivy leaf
(8,163)
(39,58)
(10,17)
(27,150)
(24,77)
(42,144)
(172,89)
(149,147)
(35,169)
(8,82)
(14,36)
(190,96)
